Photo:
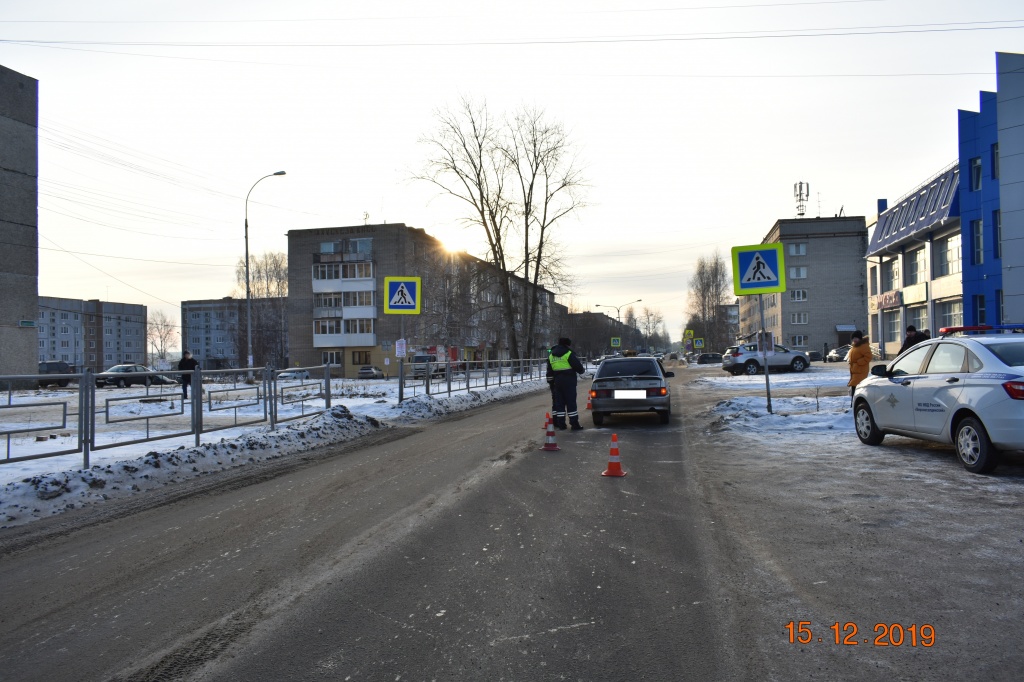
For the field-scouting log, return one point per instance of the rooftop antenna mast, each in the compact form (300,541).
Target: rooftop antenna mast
(801,191)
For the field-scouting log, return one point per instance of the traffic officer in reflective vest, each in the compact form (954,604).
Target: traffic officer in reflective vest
(563,366)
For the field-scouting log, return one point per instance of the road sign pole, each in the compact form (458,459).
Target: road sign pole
(764,353)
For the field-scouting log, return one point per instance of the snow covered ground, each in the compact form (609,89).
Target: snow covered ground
(38,488)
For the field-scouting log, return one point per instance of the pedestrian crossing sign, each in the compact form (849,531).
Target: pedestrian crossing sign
(402,296)
(758,269)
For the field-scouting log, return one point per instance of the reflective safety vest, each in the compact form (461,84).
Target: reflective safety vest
(559,363)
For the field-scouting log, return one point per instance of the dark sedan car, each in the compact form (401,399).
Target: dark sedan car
(630,385)
(709,359)
(127,375)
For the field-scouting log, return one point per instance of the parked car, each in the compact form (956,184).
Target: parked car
(422,365)
(371,372)
(127,375)
(967,391)
(709,358)
(293,374)
(54,367)
(838,354)
(630,385)
(746,359)
(814,356)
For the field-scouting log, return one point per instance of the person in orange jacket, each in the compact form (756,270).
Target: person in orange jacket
(859,358)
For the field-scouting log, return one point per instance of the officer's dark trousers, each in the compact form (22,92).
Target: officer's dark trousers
(564,389)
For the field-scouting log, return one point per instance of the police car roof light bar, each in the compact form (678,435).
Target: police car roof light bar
(981,328)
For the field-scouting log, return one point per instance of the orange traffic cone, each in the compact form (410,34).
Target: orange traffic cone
(589,406)
(547,420)
(614,467)
(549,438)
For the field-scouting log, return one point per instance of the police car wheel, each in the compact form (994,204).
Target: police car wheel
(864,422)
(974,448)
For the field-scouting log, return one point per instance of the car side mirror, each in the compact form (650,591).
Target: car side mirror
(670,374)
(878,370)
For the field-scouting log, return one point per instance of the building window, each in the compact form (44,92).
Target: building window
(42,343)
(798,273)
(979,309)
(798,340)
(891,326)
(947,255)
(360,357)
(327,271)
(357,298)
(798,295)
(359,326)
(195,316)
(326,300)
(975,173)
(92,357)
(917,268)
(977,242)
(995,161)
(108,356)
(357,270)
(950,313)
(799,249)
(997,233)
(332,357)
(891,275)
(327,326)
(798,318)
(326,247)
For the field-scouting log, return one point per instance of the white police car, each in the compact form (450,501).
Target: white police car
(963,390)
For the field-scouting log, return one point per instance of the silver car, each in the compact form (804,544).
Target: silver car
(631,385)
(747,359)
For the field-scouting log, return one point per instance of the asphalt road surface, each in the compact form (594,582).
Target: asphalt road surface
(460,551)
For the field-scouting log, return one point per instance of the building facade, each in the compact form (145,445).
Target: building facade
(826,288)
(336,301)
(209,330)
(93,335)
(914,262)
(19,259)
(991,159)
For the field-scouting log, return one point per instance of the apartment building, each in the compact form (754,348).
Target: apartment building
(335,307)
(19,259)
(214,331)
(826,288)
(92,334)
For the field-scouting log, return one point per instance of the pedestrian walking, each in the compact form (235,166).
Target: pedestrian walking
(563,366)
(187,364)
(859,358)
(913,338)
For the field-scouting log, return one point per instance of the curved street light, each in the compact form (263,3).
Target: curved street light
(618,308)
(248,296)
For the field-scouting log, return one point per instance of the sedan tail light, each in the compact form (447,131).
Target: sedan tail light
(654,392)
(601,393)
(1014,389)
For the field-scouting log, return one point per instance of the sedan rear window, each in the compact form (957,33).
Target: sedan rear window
(1011,354)
(628,368)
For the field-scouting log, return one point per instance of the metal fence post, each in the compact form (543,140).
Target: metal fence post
(197,403)
(271,381)
(448,373)
(327,385)
(486,372)
(86,414)
(401,380)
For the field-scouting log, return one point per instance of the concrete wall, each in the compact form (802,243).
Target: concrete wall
(19,257)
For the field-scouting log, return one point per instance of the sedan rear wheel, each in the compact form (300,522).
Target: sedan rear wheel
(974,448)
(598,418)
(864,422)
(121,383)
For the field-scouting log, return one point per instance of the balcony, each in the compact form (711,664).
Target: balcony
(342,257)
(344,340)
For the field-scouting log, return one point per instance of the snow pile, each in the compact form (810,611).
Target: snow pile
(44,492)
(748,415)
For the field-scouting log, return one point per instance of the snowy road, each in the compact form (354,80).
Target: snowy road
(457,550)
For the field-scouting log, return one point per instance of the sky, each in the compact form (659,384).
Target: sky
(692,120)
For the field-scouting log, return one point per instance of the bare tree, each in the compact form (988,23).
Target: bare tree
(160,333)
(268,287)
(649,322)
(710,289)
(517,180)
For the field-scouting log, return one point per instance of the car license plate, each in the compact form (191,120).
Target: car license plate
(630,395)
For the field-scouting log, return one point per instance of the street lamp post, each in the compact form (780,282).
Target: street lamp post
(618,309)
(248,295)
